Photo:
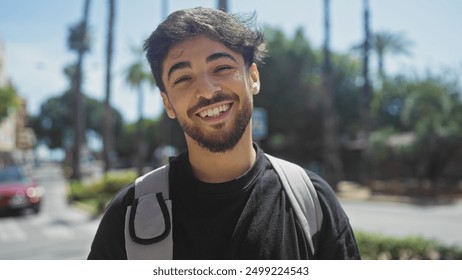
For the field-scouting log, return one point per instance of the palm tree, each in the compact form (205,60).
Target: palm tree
(108,118)
(137,77)
(367,94)
(164,8)
(331,156)
(79,41)
(388,43)
(223,5)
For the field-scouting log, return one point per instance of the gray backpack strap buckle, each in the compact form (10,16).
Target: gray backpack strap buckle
(148,221)
(149,224)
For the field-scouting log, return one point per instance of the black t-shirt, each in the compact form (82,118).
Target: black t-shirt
(246,218)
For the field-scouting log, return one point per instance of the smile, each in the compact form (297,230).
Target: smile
(215,111)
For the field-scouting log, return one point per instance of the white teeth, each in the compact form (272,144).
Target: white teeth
(214,112)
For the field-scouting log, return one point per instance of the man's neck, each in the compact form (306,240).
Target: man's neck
(221,167)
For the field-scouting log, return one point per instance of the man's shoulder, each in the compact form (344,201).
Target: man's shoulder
(317,180)
(320,185)
(123,197)
(155,181)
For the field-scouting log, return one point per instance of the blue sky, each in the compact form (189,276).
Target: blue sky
(34,34)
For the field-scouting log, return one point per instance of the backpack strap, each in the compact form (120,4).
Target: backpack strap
(148,221)
(302,195)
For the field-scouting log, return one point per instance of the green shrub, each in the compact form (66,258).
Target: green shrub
(97,194)
(376,246)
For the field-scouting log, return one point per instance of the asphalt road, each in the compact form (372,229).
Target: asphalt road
(442,223)
(59,231)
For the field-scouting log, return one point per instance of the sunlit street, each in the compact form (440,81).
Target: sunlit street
(59,231)
(437,222)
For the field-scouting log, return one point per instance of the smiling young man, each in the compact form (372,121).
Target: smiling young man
(225,198)
(209,89)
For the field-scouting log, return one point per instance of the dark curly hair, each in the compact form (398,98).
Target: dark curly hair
(236,33)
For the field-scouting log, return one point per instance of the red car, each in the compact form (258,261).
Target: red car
(17,192)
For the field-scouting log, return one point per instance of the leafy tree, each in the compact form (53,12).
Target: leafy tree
(388,102)
(129,152)
(291,93)
(137,75)
(430,110)
(433,111)
(8,100)
(54,126)
(347,94)
(384,43)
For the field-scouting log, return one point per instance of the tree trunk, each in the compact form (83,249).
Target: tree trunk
(141,144)
(79,109)
(223,5)
(380,57)
(331,157)
(367,96)
(164,9)
(108,123)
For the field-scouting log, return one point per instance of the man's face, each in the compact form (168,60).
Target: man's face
(210,92)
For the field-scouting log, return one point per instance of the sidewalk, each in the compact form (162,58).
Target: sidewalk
(353,191)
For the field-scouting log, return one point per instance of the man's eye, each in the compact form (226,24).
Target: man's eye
(180,80)
(222,68)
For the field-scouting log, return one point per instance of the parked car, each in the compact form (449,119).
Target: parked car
(17,192)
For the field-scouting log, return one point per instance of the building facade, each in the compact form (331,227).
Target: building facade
(16,139)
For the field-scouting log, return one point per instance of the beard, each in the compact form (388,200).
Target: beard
(224,139)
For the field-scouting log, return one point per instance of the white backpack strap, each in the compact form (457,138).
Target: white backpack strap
(148,221)
(302,196)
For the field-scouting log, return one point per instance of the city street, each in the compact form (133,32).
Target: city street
(62,232)
(59,231)
(442,223)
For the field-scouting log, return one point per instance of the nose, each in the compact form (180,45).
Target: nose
(207,87)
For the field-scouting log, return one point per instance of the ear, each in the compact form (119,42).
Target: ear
(168,107)
(254,78)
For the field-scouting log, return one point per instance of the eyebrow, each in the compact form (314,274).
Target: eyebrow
(218,55)
(210,58)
